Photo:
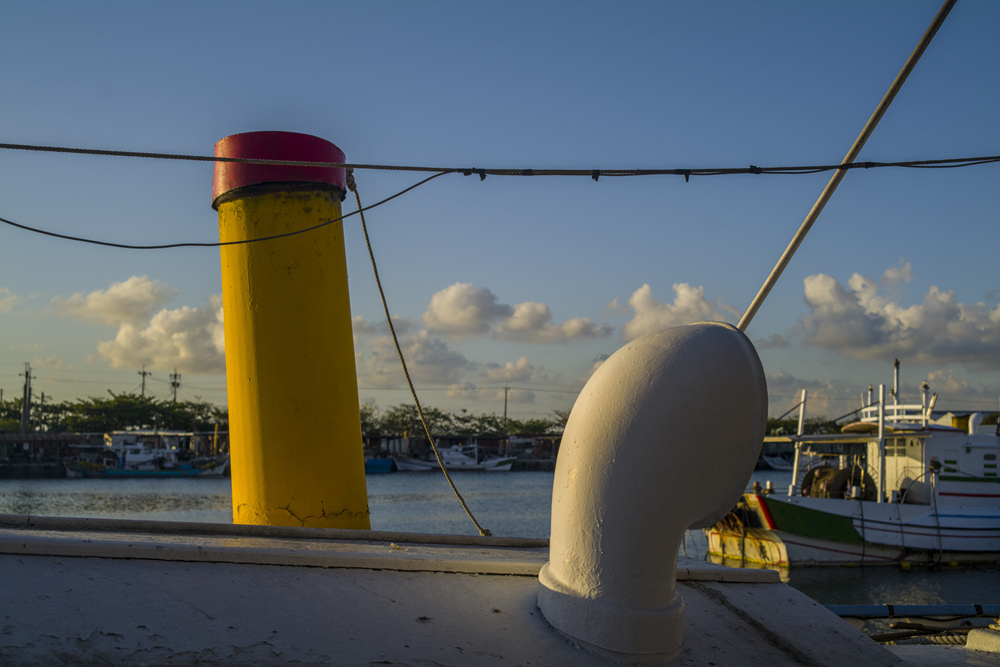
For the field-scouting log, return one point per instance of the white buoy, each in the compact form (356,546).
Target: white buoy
(662,438)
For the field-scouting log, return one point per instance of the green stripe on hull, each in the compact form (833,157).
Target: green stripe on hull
(968,478)
(812,523)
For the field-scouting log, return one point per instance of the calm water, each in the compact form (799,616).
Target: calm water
(508,504)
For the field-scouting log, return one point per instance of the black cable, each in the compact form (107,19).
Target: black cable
(482,173)
(217,244)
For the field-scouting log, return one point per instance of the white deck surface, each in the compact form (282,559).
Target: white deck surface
(85,592)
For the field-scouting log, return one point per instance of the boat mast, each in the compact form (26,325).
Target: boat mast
(798,446)
(802,411)
(895,384)
(881,443)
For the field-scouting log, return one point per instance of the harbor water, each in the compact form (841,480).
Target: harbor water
(508,504)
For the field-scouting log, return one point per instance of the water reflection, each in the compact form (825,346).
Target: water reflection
(204,500)
(891,584)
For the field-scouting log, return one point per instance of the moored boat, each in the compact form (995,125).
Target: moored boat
(149,453)
(776,462)
(897,485)
(456,457)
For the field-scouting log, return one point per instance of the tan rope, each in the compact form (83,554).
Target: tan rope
(353,187)
(852,154)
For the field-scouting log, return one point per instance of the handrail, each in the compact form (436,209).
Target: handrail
(902,412)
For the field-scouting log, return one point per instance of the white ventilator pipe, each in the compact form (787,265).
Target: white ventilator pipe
(662,438)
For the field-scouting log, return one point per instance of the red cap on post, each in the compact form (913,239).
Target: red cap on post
(275,146)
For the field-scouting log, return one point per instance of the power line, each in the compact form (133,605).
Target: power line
(595,174)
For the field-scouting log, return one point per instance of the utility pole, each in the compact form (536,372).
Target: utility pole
(144,373)
(41,413)
(175,382)
(506,439)
(26,402)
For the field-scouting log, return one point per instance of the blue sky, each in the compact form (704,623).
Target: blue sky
(525,281)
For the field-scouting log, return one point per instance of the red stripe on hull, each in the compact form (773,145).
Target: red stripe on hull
(766,511)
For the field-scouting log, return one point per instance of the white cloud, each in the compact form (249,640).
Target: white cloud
(838,317)
(531,322)
(428,359)
(863,324)
(192,340)
(130,301)
(463,310)
(7,300)
(897,275)
(512,371)
(690,305)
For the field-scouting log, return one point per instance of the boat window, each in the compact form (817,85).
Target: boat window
(895,447)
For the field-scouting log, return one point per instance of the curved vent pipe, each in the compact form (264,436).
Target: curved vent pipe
(662,438)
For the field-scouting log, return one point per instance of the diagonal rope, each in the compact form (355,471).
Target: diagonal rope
(852,154)
(353,187)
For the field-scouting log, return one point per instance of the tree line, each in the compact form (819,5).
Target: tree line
(127,411)
(119,412)
(404,419)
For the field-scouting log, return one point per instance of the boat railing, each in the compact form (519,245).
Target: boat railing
(900,413)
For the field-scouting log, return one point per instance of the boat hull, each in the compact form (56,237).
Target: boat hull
(407,464)
(781,532)
(213,469)
(379,466)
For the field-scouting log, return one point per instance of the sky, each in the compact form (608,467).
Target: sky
(514,286)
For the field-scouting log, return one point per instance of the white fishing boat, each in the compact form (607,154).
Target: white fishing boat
(774,462)
(897,485)
(149,453)
(456,457)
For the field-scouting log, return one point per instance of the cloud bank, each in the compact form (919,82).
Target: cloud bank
(861,322)
(463,310)
(187,338)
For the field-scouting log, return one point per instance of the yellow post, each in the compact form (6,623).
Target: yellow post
(294,423)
